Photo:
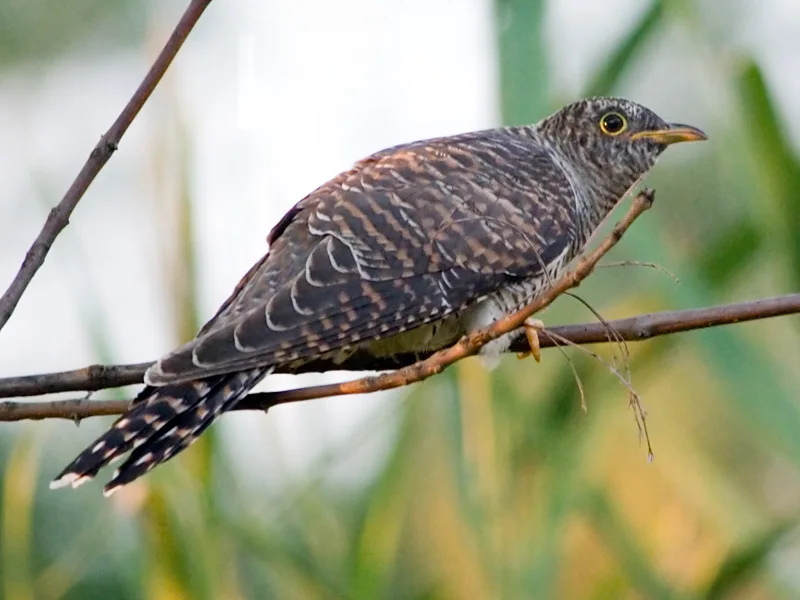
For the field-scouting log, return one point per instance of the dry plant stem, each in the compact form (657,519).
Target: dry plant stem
(421,370)
(635,401)
(59,216)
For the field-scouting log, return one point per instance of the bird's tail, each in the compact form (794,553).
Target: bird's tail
(160,423)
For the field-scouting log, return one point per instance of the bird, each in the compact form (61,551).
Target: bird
(409,250)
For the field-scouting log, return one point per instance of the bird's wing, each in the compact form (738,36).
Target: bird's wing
(406,237)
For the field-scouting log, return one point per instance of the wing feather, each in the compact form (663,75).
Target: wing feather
(407,237)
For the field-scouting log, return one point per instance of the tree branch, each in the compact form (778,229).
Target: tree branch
(59,216)
(418,371)
(631,329)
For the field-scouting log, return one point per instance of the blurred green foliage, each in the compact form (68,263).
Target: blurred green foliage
(498,485)
(41,30)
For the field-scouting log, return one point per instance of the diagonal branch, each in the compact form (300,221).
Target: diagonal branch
(432,365)
(59,216)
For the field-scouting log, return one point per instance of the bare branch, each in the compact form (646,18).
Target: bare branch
(74,410)
(643,327)
(87,379)
(632,329)
(418,371)
(59,216)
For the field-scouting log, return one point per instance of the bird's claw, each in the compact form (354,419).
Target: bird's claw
(532,327)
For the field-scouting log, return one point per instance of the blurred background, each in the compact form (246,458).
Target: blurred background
(475,484)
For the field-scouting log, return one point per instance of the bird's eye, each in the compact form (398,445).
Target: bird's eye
(613,123)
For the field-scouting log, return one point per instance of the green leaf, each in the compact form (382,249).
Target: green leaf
(523,66)
(16,526)
(730,252)
(743,562)
(284,552)
(630,556)
(778,170)
(377,539)
(751,382)
(562,448)
(39,30)
(627,52)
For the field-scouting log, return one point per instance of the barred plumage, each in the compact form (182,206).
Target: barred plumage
(160,423)
(410,249)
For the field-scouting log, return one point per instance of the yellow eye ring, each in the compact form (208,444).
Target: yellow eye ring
(613,123)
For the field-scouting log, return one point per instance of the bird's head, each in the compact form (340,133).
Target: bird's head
(610,143)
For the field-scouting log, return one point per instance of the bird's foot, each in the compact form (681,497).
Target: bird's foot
(532,327)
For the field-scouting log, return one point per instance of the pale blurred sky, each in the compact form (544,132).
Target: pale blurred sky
(278,97)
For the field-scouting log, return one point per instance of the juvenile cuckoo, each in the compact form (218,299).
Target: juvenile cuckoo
(409,250)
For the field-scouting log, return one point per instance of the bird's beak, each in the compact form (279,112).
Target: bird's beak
(672,134)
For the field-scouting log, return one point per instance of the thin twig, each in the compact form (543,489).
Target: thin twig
(576,376)
(613,335)
(640,415)
(638,263)
(59,216)
(624,379)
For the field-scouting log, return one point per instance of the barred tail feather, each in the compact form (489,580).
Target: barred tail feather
(150,411)
(183,429)
(161,422)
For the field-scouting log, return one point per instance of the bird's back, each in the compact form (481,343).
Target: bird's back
(407,237)
(406,251)
(388,258)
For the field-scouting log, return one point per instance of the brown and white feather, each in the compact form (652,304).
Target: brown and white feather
(406,252)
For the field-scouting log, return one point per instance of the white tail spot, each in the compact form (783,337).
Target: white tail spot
(63,481)
(108,491)
(79,481)
(144,459)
